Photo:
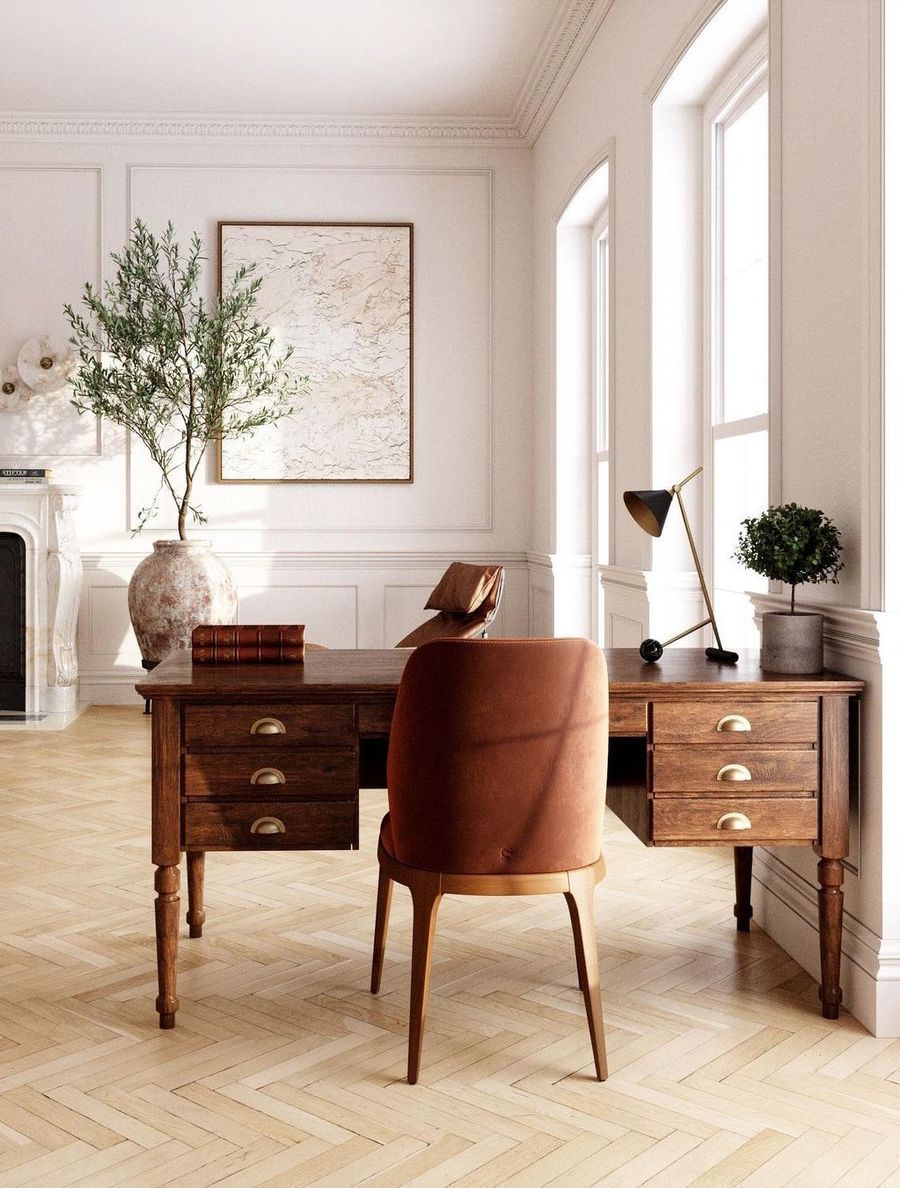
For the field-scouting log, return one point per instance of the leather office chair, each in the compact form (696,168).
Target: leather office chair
(466,599)
(496,786)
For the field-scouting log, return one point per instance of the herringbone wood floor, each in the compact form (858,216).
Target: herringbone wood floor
(283,1070)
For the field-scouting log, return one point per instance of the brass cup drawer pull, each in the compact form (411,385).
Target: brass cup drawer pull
(268,775)
(734,773)
(268,726)
(267,825)
(733,822)
(733,724)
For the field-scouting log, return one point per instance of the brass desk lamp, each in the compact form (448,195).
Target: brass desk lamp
(649,510)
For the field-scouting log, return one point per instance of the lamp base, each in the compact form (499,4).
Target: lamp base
(651,650)
(722,656)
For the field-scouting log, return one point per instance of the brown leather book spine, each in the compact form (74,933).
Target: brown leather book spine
(246,644)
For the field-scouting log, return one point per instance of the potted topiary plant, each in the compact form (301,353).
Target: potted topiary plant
(794,545)
(177,372)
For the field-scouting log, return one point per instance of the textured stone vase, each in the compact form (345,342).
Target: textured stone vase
(792,643)
(182,583)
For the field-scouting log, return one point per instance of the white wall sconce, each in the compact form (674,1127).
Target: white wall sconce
(14,392)
(46,364)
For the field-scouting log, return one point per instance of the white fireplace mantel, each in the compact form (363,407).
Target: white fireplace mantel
(43,517)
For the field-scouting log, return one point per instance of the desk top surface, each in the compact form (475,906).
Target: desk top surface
(358,670)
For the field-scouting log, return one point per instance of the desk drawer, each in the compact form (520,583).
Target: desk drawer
(772,821)
(312,774)
(724,723)
(748,771)
(375,717)
(268,725)
(229,825)
(627,716)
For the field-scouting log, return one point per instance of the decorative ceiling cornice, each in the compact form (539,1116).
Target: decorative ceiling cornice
(556,61)
(396,129)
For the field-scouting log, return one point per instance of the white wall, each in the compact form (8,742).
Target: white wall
(825,84)
(355,562)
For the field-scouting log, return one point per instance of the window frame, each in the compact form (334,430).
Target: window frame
(745,82)
(600,401)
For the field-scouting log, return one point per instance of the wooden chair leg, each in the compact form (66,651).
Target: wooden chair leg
(426,897)
(196,862)
(580,901)
(382,916)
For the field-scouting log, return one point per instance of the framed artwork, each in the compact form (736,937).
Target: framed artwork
(341,295)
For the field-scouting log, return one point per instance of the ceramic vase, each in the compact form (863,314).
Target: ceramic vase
(792,643)
(180,584)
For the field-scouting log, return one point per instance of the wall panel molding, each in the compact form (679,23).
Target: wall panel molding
(95,450)
(482,523)
(367,599)
(290,562)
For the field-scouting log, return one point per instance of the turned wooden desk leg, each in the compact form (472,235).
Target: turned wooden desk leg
(166,882)
(743,875)
(196,916)
(831,914)
(166,849)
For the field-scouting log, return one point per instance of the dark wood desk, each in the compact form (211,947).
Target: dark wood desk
(272,757)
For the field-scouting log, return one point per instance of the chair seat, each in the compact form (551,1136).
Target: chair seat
(386,836)
(466,883)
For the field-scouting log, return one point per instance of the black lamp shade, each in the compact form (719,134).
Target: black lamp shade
(649,509)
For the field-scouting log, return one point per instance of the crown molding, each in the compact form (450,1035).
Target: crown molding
(497,131)
(557,59)
(554,64)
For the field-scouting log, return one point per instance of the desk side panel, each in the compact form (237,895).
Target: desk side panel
(626,785)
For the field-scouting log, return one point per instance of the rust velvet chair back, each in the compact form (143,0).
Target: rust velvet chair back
(496,786)
(497,760)
(466,598)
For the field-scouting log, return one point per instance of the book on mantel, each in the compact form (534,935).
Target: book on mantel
(28,474)
(214,643)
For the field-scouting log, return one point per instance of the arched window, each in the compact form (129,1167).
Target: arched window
(710,310)
(736,121)
(583,396)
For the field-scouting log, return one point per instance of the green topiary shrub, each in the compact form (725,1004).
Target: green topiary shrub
(791,544)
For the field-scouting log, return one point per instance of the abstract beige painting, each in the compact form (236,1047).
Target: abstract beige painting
(341,295)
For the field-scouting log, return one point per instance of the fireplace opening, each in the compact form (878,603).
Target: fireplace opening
(12,622)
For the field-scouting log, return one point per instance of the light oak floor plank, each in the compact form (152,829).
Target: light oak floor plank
(284,1070)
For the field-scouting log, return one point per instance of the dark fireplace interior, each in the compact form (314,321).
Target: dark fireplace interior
(12,622)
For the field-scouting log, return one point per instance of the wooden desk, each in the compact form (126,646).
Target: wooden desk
(272,757)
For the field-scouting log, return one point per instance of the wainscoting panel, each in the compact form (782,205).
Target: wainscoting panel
(346,600)
(404,610)
(329,612)
(108,624)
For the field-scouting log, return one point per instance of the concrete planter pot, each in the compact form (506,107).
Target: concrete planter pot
(792,643)
(182,583)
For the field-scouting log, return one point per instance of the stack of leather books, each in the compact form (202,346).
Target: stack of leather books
(247,644)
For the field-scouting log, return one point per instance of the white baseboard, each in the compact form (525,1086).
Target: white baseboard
(785,905)
(115,687)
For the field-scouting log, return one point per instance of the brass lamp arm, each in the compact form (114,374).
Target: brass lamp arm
(694,554)
(676,487)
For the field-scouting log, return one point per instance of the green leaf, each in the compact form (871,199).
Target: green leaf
(174,370)
(791,544)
